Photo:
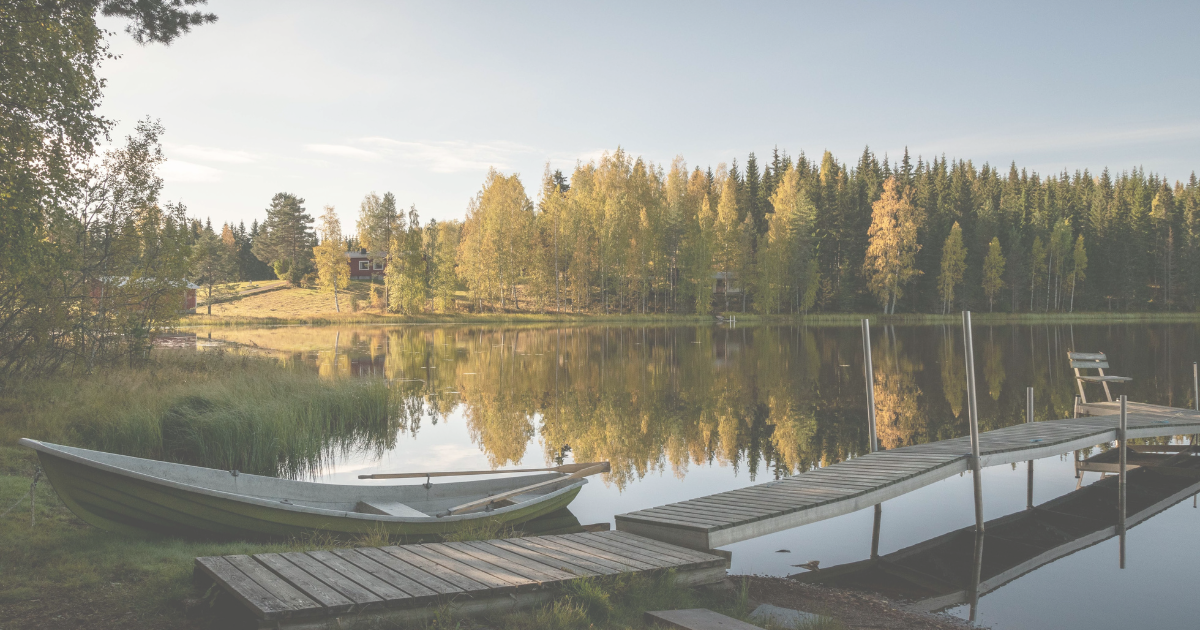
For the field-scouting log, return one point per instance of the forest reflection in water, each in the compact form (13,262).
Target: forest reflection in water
(766,400)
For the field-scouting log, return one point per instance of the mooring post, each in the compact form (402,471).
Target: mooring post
(976,573)
(869,374)
(1029,464)
(1196,384)
(875,531)
(1121,483)
(973,412)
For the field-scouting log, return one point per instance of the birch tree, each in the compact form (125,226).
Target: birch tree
(993,272)
(892,247)
(954,264)
(333,266)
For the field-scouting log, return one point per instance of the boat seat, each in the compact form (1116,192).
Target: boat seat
(388,508)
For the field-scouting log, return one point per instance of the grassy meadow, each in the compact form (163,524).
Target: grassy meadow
(265,305)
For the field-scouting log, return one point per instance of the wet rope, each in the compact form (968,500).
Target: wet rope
(37,474)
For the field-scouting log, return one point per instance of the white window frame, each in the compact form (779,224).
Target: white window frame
(378,265)
(364,265)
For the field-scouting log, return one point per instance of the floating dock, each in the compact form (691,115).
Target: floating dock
(407,583)
(728,517)
(937,574)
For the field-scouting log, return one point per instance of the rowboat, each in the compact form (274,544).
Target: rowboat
(130,494)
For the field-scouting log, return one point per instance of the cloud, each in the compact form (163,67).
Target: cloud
(211,154)
(341,150)
(174,171)
(451,156)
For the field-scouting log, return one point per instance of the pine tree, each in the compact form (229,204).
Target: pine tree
(954,265)
(993,272)
(286,239)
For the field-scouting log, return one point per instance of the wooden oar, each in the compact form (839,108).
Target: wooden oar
(595,468)
(565,468)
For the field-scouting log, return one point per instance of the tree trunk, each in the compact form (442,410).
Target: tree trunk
(1073,276)
(336,307)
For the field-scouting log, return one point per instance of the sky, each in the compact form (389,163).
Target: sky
(331,101)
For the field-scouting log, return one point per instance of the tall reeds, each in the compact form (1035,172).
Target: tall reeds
(213,409)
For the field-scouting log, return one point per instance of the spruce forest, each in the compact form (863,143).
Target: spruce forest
(795,236)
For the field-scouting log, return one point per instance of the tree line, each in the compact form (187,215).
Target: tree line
(797,235)
(791,236)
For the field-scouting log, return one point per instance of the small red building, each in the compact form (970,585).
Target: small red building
(97,290)
(364,266)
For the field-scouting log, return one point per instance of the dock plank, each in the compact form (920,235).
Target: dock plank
(263,603)
(406,554)
(385,574)
(318,591)
(858,482)
(428,580)
(296,601)
(346,587)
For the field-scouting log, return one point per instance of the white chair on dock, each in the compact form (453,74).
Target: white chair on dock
(1093,361)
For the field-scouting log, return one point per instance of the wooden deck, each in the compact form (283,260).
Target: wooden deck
(728,517)
(410,582)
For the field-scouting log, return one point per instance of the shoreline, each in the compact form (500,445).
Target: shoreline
(823,319)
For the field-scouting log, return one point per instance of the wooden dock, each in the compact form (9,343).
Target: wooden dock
(728,517)
(936,574)
(406,583)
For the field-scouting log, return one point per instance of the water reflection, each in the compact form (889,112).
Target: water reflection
(771,400)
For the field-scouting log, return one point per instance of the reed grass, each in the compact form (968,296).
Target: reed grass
(216,410)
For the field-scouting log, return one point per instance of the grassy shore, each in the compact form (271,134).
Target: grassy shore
(208,409)
(299,306)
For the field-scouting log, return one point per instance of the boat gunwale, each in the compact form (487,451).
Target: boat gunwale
(53,450)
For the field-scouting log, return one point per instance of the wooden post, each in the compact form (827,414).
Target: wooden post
(1076,406)
(869,373)
(1029,464)
(1196,384)
(973,409)
(1121,444)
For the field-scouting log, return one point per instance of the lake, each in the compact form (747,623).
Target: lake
(688,411)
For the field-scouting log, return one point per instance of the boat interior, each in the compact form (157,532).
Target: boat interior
(424,499)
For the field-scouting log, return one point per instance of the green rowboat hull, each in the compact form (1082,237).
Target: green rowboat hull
(122,500)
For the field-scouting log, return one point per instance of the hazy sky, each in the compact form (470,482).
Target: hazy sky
(333,100)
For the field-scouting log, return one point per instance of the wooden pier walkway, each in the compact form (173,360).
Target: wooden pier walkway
(407,583)
(728,517)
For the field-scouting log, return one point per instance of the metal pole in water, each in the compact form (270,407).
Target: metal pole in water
(973,409)
(869,372)
(976,572)
(1121,444)
(1029,464)
(875,531)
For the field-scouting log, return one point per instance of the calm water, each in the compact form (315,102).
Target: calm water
(682,412)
